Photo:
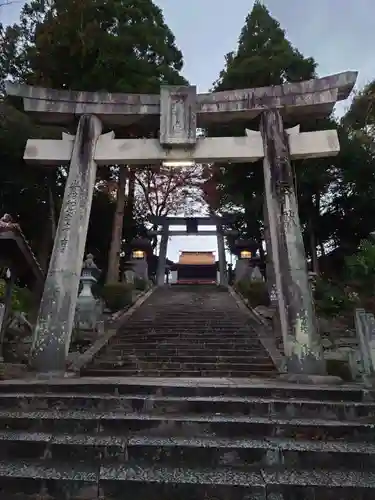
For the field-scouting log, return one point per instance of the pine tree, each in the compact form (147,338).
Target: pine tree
(264,56)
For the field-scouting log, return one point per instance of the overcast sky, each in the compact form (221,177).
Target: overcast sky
(339,34)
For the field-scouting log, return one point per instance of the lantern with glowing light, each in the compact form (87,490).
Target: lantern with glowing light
(245,249)
(140,250)
(245,254)
(140,247)
(138,254)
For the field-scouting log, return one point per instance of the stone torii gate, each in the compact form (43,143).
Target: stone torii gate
(192,224)
(180,111)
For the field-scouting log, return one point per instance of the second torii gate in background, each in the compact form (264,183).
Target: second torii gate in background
(192,224)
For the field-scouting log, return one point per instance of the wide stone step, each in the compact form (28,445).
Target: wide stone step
(176,364)
(91,371)
(125,343)
(189,387)
(177,357)
(183,326)
(191,316)
(172,451)
(197,333)
(61,480)
(126,424)
(140,341)
(185,354)
(196,405)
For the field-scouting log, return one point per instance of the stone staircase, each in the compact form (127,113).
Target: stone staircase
(196,331)
(172,437)
(184,439)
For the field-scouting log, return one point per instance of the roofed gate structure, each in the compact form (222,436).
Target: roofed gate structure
(192,224)
(179,111)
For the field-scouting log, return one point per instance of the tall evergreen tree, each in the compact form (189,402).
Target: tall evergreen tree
(335,195)
(263,57)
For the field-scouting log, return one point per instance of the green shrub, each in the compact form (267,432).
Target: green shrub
(117,296)
(338,368)
(332,298)
(140,284)
(22,299)
(360,268)
(254,291)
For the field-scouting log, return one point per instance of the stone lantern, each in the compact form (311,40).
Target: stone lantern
(140,249)
(247,262)
(88,308)
(138,254)
(245,254)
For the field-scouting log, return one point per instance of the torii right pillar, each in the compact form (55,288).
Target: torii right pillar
(303,350)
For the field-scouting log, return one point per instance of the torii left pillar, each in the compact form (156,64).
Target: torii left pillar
(221,252)
(57,308)
(160,276)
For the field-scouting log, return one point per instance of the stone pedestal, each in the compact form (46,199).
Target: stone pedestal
(297,317)
(139,268)
(129,275)
(57,309)
(256,274)
(242,271)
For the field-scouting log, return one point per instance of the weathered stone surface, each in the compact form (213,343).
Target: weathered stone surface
(160,273)
(316,96)
(242,270)
(207,150)
(178,123)
(297,317)
(187,331)
(266,312)
(182,221)
(200,233)
(89,310)
(182,439)
(56,314)
(365,330)
(222,260)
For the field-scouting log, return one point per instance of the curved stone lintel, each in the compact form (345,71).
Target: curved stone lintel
(317,96)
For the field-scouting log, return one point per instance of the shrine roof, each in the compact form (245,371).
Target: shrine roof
(16,252)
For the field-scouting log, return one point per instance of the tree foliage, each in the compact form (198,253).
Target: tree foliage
(87,45)
(94,45)
(167,191)
(336,195)
(263,57)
